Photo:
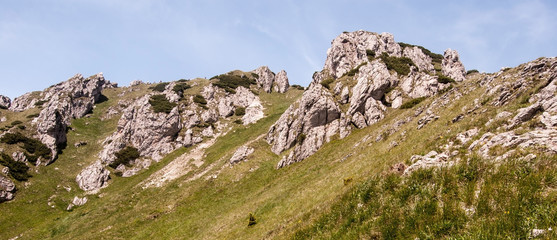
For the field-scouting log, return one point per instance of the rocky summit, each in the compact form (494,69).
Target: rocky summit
(389,141)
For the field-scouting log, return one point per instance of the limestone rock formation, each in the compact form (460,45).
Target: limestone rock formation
(430,160)
(61,103)
(352,90)
(268,81)
(5,102)
(7,189)
(93,177)
(452,67)
(241,154)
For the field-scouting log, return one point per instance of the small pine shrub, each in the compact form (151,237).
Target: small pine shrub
(400,65)
(32,146)
(300,138)
(472,71)
(370,53)
(16,122)
(180,87)
(230,82)
(444,79)
(412,103)
(326,83)
(199,100)
(239,121)
(355,70)
(125,156)
(159,87)
(240,111)
(17,170)
(161,104)
(296,86)
(251,220)
(40,103)
(32,115)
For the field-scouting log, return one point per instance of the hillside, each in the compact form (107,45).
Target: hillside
(389,141)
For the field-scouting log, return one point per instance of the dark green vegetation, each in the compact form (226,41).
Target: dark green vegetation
(327,83)
(444,79)
(180,87)
(240,111)
(34,147)
(160,87)
(17,170)
(427,203)
(412,102)
(229,82)
(400,65)
(435,58)
(161,104)
(199,99)
(472,71)
(125,156)
(355,70)
(251,220)
(296,86)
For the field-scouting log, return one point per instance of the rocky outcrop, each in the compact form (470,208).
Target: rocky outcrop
(153,134)
(430,160)
(241,154)
(63,102)
(353,74)
(268,81)
(281,82)
(93,178)
(77,201)
(7,189)
(24,102)
(452,67)
(5,102)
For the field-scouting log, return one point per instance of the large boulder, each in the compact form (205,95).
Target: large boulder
(452,67)
(281,82)
(269,81)
(93,177)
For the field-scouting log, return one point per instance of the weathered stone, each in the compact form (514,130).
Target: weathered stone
(254,112)
(422,61)
(281,82)
(5,102)
(466,136)
(265,79)
(19,156)
(135,83)
(452,67)
(241,154)
(7,189)
(93,177)
(525,114)
(430,160)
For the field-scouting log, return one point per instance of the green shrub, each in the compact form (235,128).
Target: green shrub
(400,65)
(199,99)
(412,103)
(16,122)
(239,121)
(180,87)
(32,146)
(296,86)
(300,138)
(472,71)
(255,75)
(17,170)
(251,220)
(33,115)
(436,58)
(40,103)
(355,70)
(326,83)
(370,53)
(230,82)
(240,111)
(125,156)
(21,127)
(444,79)
(159,87)
(161,104)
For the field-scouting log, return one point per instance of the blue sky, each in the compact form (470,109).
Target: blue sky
(43,42)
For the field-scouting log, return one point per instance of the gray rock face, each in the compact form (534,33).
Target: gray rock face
(5,102)
(93,177)
(7,189)
(24,102)
(452,67)
(547,138)
(317,116)
(430,160)
(241,154)
(153,134)
(349,50)
(268,81)
(281,82)
(68,100)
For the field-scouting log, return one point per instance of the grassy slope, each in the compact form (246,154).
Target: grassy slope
(286,202)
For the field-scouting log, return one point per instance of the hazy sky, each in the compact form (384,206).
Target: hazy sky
(43,42)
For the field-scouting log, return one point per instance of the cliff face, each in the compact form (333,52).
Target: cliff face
(364,74)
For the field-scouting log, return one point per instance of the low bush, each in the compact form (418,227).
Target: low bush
(472,71)
(436,58)
(180,87)
(159,87)
(230,82)
(161,104)
(16,122)
(125,156)
(240,111)
(327,82)
(17,170)
(444,79)
(296,86)
(239,121)
(400,65)
(251,220)
(355,70)
(40,103)
(33,115)
(34,147)
(300,138)
(412,103)
(199,99)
